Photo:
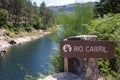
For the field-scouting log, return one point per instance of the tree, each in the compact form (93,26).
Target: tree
(107,6)
(4,4)
(22,13)
(16,7)
(75,23)
(46,15)
(28,11)
(3,17)
(36,22)
(36,9)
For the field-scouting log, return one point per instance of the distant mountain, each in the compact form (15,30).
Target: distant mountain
(64,8)
(67,8)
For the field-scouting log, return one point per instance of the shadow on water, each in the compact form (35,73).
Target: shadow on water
(33,55)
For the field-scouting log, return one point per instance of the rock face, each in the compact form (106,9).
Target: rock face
(63,76)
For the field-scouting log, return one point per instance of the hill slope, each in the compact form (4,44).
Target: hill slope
(68,8)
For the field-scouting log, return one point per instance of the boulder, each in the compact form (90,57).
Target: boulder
(63,76)
(12,42)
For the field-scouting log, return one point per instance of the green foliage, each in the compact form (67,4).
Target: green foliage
(104,66)
(47,17)
(9,26)
(41,76)
(16,9)
(23,15)
(28,12)
(107,6)
(3,17)
(108,28)
(37,22)
(70,25)
(27,27)
(26,72)
(57,62)
(74,23)
(27,75)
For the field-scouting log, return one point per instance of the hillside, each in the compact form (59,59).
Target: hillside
(68,8)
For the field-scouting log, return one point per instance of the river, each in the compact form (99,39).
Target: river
(32,55)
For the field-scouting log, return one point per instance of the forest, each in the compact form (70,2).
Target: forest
(24,16)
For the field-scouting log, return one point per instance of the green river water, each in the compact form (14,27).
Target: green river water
(33,55)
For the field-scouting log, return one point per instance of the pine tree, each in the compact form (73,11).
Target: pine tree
(107,6)
(46,15)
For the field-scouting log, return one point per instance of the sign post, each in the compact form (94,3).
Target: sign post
(65,64)
(77,49)
(87,49)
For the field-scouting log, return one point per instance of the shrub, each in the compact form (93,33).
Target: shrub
(27,27)
(108,28)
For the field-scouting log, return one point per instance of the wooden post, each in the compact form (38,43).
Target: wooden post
(87,69)
(66,64)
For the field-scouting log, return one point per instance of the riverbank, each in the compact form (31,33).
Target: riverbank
(6,41)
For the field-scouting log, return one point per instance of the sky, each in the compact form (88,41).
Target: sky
(60,2)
